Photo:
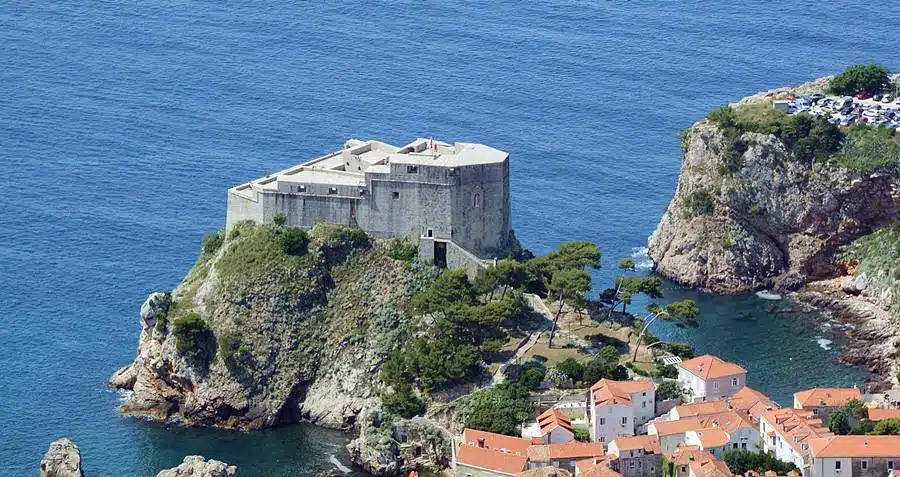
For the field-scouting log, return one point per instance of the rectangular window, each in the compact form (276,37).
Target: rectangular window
(837,465)
(715,385)
(395,195)
(734,382)
(743,445)
(430,233)
(412,169)
(602,421)
(734,446)
(332,190)
(864,464)
(301,188)
(890,464)
(624,420)
(644,404)
(815,411)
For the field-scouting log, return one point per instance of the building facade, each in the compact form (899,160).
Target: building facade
(453,199)
(854,456)
(638,456)
(822,402)
(709,378)
(617,407)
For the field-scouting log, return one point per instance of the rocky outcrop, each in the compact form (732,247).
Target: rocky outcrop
(197,466)
(874,334)
(283,338)
(774,221)
(418,444)
(63,459)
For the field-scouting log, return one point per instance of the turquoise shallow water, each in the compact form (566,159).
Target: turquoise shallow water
(122,124)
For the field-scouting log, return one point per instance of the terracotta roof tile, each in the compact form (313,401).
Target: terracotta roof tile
(700,408)
(829,397)
(711,367)
(711,437)
(685,454)
(552,419)
(574,450)
(493,460)
(728,421)
(649,444)
(545,472)
(747,397)
(668,428)
(585,464)
(855,446)
(493,441)
(607,391)
(713,468)
(599,470)
(882,414)
(796,427)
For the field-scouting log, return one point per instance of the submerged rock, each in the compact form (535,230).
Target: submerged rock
(63,459)
(197,466)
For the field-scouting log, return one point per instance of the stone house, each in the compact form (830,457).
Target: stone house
(854,456)
(822,402)
(486,454)
(637,456)
(618,407)
(564,456)
(709,378)
(555,427)
(787,433)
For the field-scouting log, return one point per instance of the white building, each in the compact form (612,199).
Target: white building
(617,407)
(555,427)
(854,456)
(709,378)
(787,433)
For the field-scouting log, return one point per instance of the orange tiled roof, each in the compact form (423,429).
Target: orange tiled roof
(668,428)
(712,437)
(574,450)
(728,421)
(489,459)
(796,427)
(493,441)
(713,468)
(711,367)
(829,397)
(882,414)
(700,408)
(649,444)
(585,464)
(685,454)
(607,391)
(599,470)
(747,397)
(553,418)
(855,446)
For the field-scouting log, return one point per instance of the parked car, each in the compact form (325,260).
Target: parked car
(887,99)
(877,97)
(816,97)
(863,95)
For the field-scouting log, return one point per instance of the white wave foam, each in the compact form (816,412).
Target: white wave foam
(641,259)
(824,343)
(767,295)
(337,464)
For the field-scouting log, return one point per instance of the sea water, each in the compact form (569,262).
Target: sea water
(123,123)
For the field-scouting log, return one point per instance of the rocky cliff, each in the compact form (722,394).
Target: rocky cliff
(759,217)
(254,337)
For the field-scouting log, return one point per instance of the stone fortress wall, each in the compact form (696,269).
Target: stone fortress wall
(452,199)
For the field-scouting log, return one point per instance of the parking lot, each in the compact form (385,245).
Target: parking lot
(846,110)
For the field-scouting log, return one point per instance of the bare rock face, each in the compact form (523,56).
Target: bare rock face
(296,338)
(197,466)
(775,221)
(63,459)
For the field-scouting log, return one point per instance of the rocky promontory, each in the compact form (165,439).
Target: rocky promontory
(749,214)
(254,337)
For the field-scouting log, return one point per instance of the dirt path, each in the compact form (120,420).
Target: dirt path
(538,306)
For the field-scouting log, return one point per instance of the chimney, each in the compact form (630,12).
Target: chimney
(481,442)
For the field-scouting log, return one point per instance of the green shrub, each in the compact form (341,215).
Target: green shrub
(279,219)
(669,389)
(740,461)
(700,202)
(212,242)
(498,409)
(232,350)
(402,249)
(190,333)
(571,368)
(868,149)
(872,78)
(582,434)
(294,241)
(403,402)
(679,348)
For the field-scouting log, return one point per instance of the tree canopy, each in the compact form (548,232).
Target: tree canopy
(871,77)
(498,409)
(740,461)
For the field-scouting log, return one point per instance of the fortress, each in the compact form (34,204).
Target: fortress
(452,199)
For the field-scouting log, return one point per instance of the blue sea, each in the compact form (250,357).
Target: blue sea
(123,123)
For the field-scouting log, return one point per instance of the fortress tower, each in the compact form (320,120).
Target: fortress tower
(452,199)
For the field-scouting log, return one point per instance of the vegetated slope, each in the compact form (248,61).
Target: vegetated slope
(255,337)
(875,261)
(766,199)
